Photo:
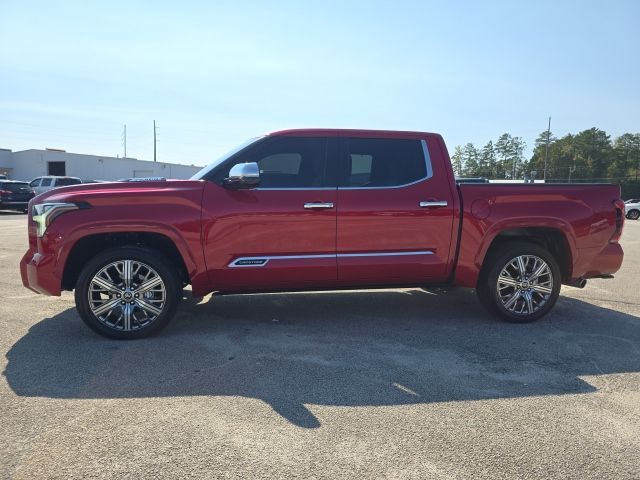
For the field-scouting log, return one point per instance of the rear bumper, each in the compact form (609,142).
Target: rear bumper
(38,273)
(599,264)
(14,205)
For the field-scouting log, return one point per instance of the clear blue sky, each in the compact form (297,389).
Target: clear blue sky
(213,74)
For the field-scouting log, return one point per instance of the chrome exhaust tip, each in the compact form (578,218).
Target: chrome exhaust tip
(579,283)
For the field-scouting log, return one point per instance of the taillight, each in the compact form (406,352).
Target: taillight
(619,205)
(4,192)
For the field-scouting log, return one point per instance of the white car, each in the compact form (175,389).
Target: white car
(632,208)
(44,184)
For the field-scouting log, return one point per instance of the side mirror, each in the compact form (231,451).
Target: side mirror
(243,175)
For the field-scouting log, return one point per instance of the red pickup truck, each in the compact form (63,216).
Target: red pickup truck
(317,209)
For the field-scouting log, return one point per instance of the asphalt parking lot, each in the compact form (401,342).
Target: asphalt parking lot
(389,384)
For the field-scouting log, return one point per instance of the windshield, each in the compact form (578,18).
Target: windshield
(202,173)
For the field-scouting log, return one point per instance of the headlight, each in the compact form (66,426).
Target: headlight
(44,213)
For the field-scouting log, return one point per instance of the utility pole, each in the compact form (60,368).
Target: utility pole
(546,151)
(154,140)
(124,141)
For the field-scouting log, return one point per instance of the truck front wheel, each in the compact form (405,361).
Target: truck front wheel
(127,292)
(520,282)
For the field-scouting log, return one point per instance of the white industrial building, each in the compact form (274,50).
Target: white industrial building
(29,164)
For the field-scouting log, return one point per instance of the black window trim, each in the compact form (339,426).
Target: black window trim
(427,161)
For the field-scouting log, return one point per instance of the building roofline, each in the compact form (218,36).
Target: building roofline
(105,157)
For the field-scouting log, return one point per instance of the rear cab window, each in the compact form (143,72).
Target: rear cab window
(383,162)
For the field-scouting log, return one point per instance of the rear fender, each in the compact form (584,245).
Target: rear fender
(470,263)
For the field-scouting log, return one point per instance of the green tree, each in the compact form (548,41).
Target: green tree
(537,163)
(456,161)
(510,153)
(503,153)
(516,159)
(626,157)
(470,157)
(488,162)
(593,154)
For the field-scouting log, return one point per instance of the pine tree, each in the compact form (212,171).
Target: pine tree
(488,161)
(470,156)
(517,156)
(503,153)
(457,162)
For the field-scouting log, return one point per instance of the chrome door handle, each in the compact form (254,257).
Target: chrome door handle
(318,205)
(434,203)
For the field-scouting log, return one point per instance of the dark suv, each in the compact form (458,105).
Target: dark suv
(15,195)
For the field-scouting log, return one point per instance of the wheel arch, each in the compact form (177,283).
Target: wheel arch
(89,246)
(553,239)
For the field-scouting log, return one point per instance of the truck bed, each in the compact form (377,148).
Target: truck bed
(587,216)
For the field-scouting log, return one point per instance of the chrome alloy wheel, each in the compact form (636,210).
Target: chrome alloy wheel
(525,284)
(127,295)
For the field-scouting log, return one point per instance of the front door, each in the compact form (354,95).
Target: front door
(395,213)
(281,234)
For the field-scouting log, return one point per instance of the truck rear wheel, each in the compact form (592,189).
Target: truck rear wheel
(520,282)
(127,292)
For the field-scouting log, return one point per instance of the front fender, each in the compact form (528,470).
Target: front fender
(186,241)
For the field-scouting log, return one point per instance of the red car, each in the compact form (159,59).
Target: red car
(317,209)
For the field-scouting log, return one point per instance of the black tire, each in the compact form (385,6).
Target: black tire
(633,214)
(151,258)
(499,258)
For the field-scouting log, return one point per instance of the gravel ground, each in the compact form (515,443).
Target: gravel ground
(362,384)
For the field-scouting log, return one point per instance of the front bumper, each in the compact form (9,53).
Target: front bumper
(39,274)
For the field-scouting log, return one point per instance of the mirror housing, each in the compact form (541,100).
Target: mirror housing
(243,175)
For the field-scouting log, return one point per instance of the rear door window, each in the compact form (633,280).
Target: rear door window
(384,162)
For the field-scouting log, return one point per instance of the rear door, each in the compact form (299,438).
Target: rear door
(281,234)
(395,212)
